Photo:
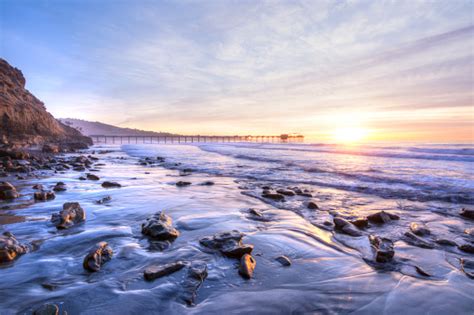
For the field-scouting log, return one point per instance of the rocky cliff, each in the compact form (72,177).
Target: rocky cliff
(24,120)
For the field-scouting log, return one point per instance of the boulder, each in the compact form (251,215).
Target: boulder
(92,177)
(8,191)
(196,275)
(312,205)
(247,266)
(286,192)
(60,186)
(44,195)
(97,256)
(361,223)
(273,196)
(467,213)
(10,248)
(71,214)
(419,229)
(346,227)
(108,184)
(382,247)
(182,183)
(284,261)
(158,271)
(382,217)
(159,227)
(228,243)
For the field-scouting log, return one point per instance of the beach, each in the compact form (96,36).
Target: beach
(410,195)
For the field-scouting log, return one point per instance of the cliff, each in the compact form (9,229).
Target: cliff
(24,120)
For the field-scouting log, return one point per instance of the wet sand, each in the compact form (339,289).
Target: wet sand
(330,272)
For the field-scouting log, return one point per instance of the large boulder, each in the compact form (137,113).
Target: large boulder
(8,191)
(160,227)
(97,256)
(10,248)
(71,214)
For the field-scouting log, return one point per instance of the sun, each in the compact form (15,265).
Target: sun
(349,135)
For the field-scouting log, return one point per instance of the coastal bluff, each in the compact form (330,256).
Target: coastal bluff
(24,120)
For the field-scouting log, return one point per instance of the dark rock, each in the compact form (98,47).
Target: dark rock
(71,214)
(346,227)
(82,178)
(79,168)
(8,191)
(228,243)
(445,242)
(247,266)
(44,195)
(361,223)
(98,256)
(92,177)
(60,186)
(273,196)
(104,200)
(312,205)
(414,240)
(207,183)
(382,217)
(255,212)
(383,248)
(38,187)
(466,247)
(182,183)
(284,261)
(419,229)
(10,248)
(467,266)
(159,227)
(286,192)
(154,272)
(197,273)
(107,184)
(467,213)
(47,309)
(305,194)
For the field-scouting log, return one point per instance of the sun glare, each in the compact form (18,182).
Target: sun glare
(349,135)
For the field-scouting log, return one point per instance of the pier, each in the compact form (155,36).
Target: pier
(126,139)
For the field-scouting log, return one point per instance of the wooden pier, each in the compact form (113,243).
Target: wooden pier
(126,139)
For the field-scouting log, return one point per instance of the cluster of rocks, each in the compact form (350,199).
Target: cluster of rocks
(10,248)
(230,245)
(279,194)
(149,161)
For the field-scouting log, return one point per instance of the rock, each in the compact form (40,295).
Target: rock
(107,184)
(255,212)
(8,191)
(47,309)
(466,247)
(419,229)
(51,148)
(98,256)
(44,195)
(38,187)
(383,248)
(284,261)
(182,183)
(207,183)
(92,177)
(467,213)
(104,200)
(414,240)
(247,266)
(422,272)
(445,242)
(159,227)
(312,205)
(82,178)
(305,194)
(60,186)
(228,243)
(154,272)
(467,266)
(346,227)
(71,214)
(197,273)
(361,223)
(286,192)
(273,196)
(382,217)
(10,248)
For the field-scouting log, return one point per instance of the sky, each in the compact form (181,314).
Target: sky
(392,70)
